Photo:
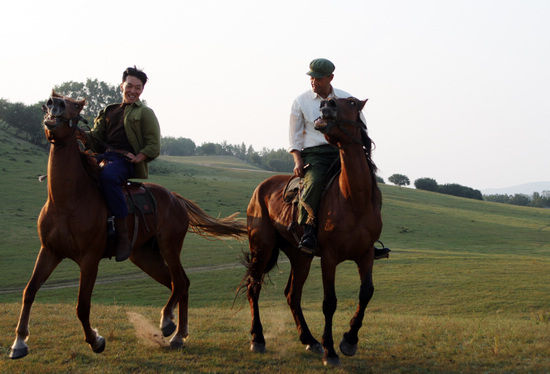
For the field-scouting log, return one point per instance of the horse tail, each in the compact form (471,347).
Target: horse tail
(246,260)
(204,225)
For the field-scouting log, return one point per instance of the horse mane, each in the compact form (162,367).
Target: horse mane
(80,102)
(368,146)
(89,162)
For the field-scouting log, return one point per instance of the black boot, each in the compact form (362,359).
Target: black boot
(308,243)
(381,252)
(123,245)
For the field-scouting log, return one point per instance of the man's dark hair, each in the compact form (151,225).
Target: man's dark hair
(135,72)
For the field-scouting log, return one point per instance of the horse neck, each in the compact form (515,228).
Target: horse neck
(355,182)
(67,178)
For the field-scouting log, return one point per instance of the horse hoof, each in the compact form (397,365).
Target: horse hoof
(99,345)
(19,352)
(347,349)
(168,329)
(176,344)
(316,348)
(331,361)
(257,347)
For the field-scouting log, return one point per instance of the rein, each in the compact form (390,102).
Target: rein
(59,120)
(338,122)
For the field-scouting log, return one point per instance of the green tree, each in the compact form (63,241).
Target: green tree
(498,198)
(427,184)
(277,160)
(209,149)
(399,179)
(520,199)
(98,94)
(458,190)
(177,147)
(26,120)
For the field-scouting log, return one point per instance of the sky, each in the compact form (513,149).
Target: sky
(458,90)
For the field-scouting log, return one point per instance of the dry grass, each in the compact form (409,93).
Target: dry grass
(218,342)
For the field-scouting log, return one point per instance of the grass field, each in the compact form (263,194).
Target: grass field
(466,288)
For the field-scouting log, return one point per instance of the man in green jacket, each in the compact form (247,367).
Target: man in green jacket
(128,136)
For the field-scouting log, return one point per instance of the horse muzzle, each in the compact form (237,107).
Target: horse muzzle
(320,124)
(54,109)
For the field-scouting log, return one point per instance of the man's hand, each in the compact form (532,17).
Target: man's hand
(299,169)
(135,158)
(298,164)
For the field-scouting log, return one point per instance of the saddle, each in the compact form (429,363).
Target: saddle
(140,202)
(291,191)
(291,195)
(139,199)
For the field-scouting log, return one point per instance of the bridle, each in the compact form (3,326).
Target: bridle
(340,122)
(55,108)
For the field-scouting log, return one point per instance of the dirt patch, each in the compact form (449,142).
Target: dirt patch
(146,332)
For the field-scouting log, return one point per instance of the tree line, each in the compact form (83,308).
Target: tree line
(429,184)
(269,159)
(538,200)
(25,122)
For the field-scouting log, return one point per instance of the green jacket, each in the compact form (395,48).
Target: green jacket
(142,130)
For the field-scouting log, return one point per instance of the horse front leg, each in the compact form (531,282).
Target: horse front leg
(46,262)
(329,307)
(298,274)
(88,274)
(348,345)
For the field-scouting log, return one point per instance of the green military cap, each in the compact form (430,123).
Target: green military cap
(320,67)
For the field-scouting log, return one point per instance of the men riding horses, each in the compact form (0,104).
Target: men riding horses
(128,134)
(312,153)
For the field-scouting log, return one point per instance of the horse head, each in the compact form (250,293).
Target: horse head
(340,120)
(61,113)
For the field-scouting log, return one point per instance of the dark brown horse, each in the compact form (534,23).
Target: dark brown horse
(72,224)
(349,224)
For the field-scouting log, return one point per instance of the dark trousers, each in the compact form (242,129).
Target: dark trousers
(320,159)
(114,174)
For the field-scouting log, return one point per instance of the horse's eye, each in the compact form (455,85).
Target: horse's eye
(352,103)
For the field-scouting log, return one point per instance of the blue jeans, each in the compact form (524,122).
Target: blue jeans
(113,175)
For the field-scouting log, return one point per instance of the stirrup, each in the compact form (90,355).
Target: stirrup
(307,250)
(383,252)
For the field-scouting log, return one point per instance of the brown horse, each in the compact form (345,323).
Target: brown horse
(72,224)
(349,224)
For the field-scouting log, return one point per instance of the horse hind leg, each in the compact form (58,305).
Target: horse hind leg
(259,263)
(299,271)
(46,262)
(170,248)
(348,345)
(151,262)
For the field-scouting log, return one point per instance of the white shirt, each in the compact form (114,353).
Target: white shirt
(305,110)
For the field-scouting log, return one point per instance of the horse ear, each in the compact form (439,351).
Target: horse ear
(362,103)
(55,94)
(81,103)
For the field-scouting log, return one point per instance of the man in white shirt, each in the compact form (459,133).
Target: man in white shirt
(312,154)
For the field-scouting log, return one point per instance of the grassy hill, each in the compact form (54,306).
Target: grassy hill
(465,290)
